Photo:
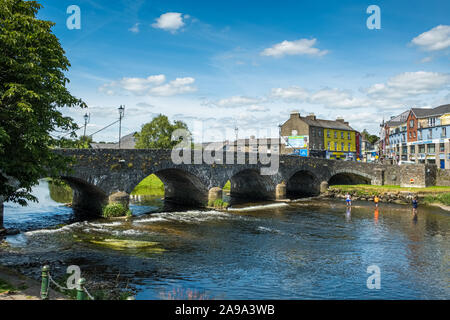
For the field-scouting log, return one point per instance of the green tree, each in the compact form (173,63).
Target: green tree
(157,134)
(80,143)
(32,91)
(369,137)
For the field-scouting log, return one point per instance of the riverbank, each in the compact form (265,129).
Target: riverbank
(16,286)
(434,196)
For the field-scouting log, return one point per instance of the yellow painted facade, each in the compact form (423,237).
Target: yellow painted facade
(445,119)
(339,142)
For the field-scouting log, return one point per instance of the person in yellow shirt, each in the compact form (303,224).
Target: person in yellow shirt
(376,200)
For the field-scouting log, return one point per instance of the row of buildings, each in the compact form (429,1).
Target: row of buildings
(417,135)
(309,136)
(305,136)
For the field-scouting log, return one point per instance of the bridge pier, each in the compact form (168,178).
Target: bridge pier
(120,197)
(323,186)
(214,194)
(280,191)
(1,214)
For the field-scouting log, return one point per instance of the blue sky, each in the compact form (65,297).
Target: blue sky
(221,64)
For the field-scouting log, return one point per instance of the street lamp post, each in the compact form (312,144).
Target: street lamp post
(121,114)
(86,119)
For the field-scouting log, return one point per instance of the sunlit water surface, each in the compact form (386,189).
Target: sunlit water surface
(308,250)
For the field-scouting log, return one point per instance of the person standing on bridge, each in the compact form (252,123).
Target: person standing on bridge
(348,199)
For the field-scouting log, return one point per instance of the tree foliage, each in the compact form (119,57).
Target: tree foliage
(32,91)
(370,137)
(157,134)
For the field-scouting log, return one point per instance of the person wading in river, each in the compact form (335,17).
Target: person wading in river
(376,200)
(415,205)
(348,199)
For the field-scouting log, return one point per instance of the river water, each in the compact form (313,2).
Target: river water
(304,250)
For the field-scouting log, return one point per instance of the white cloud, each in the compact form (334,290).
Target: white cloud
(296,47)
(236,101)
(152,85)
(291,93)
(409,84)
(135,28)
(257,108)
(170,21)
(435,39)
(426,59)
(174,87)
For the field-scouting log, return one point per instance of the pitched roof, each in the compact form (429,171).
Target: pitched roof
(126,142)
(329,124)
(438,111)
(398,120)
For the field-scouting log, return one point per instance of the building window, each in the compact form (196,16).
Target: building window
(349,146)
(335,134)
(422,148)
(342,135)
(348,135)
(320,132)
(444,132)
(431,122)
(414,134)
(430,134)
(411,123)
(441,147)
(329,145)
(412,149)
(335,145)
(420,135)
(342,146)
(313,132)
(430,148)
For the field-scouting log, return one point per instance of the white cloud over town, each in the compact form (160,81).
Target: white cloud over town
(154,85)
(435,39)
(296,47)
(170,21)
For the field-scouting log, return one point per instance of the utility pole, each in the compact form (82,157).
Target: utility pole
(121,114)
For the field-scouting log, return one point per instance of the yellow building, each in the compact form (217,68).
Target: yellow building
(339,143)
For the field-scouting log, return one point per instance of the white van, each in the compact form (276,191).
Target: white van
(405,162)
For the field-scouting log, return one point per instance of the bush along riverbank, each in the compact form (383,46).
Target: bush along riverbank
(391,194)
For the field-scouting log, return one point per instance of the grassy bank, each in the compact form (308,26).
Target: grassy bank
(372,190)
(443,198)
(151,185)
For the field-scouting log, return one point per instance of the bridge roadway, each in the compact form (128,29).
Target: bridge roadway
(98,174)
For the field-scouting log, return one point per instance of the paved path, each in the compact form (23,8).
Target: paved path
(27,289)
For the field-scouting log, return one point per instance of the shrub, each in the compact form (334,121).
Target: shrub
(115,210)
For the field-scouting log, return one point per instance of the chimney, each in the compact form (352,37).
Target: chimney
(311,116)
(295,114)
(340,119)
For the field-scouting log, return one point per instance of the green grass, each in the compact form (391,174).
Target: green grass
(227,186)
(151,185)
(443,198)
(389,188)
(5,286)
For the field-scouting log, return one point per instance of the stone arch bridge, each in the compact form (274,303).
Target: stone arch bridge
(97,174)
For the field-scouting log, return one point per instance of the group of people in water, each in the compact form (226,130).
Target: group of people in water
(376,200)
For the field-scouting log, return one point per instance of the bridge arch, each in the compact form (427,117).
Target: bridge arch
(87,197)
(302,183)
(181,187)
(249,184)
(348,177)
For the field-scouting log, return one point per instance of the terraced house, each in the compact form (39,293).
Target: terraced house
(312,137)
(419,135)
